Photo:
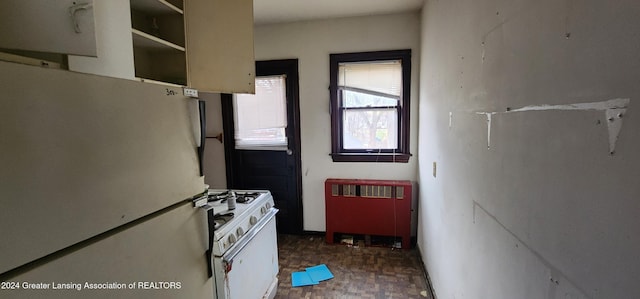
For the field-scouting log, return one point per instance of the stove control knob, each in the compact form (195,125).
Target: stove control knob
(263,210)
(239,232)
(232,239)
(268,205)
(253,220)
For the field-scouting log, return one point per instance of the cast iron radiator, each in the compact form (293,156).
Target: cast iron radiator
(368,207)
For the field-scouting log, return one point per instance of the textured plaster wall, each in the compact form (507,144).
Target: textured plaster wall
(546,211)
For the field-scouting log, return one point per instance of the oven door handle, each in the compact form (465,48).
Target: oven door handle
(227,259)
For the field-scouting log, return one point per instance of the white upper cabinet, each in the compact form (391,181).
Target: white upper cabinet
(115,55)
(202,44)
(60,26)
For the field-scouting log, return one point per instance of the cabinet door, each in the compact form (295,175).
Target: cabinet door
(60,26)
(113,39)
(219,42)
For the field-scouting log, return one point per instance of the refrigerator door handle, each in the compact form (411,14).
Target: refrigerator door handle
(203,127)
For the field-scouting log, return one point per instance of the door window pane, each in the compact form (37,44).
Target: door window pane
(261,119)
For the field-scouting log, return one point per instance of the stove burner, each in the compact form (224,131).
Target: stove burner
(241,197)
(247,197)
(221,219)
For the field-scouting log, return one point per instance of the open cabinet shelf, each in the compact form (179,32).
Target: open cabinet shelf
(159,40)
(157,7)
(150,42)
(157,82)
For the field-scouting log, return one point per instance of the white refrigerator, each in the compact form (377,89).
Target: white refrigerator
(96,177)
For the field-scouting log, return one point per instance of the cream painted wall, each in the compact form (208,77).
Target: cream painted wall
(214,163)
(311,43)
(546,212)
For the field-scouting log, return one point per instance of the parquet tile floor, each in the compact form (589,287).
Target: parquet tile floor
(360,271)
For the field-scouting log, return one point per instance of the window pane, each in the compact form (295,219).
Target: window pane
(359,99)
(370,129)
(261,119)
(379,76)
(370,104)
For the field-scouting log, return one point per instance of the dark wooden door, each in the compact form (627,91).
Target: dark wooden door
(278,171)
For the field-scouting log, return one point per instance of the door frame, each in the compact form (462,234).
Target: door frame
(288,67)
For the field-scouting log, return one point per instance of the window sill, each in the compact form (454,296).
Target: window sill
(360,157)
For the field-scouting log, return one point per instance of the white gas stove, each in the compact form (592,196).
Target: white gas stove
(231,225)
(243,242)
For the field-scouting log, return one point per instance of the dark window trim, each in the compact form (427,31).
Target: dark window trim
(337,152)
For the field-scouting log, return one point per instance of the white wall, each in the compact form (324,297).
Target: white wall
(311,43)
(546,212)
(215,174)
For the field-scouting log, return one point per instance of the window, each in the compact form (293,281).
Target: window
(261,119)
(370,106)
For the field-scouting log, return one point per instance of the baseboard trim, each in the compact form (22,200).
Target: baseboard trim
(426,274)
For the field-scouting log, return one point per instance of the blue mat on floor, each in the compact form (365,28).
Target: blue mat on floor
(311,276)
(319,272)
